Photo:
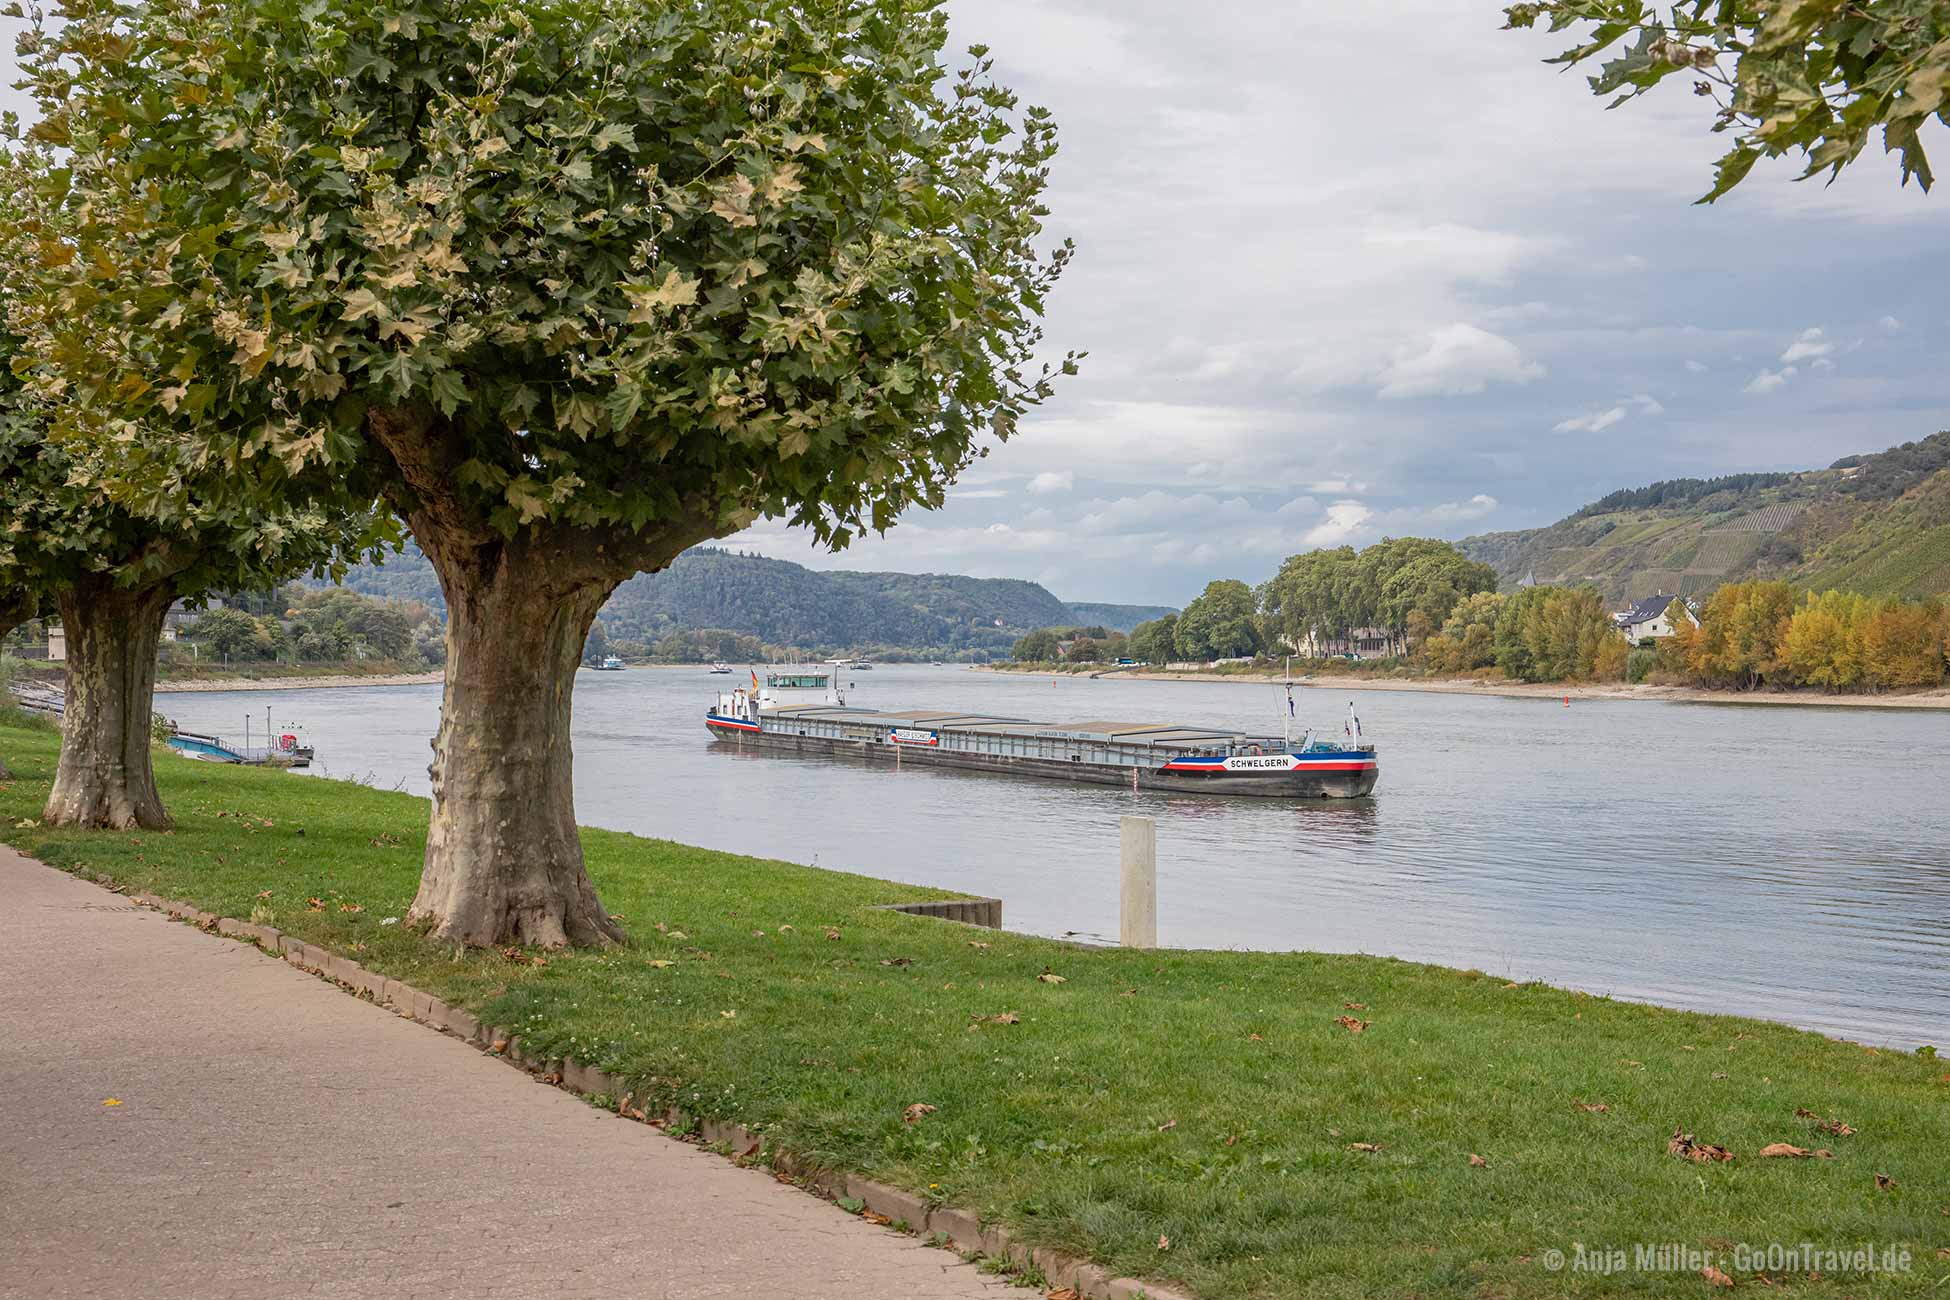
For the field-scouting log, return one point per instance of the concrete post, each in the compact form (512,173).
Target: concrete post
(1138,892)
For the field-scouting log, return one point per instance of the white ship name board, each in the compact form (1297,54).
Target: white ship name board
(908,736)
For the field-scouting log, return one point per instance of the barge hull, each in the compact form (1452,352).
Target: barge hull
(1303,784)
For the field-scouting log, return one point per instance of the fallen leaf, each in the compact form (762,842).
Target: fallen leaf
(314,904)
(913,1114)
(1884,1182)
(1943,1252)
(662,928)
(1164,1242)
(263,893)
(1773,1149)
(1591,1107)
(661,963)
(679,935)
(1682,1144)
(786,929)
(758,934)
(896,961)
(1254,1038)
(729,1015)
(978,945)
(872,1217)
(1061,1293)
(498,1045)
(832,934)
(1715,1276)
(1354,1006)
(1719,1074)
(1051,977)
(111,1101)
(1366,1146)
(1168,1125)
(1231,1138)
(1352,1025)
(351,907)
(1833,1126)
(1477,1162)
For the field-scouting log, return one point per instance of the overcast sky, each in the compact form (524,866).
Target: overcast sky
(1348,270)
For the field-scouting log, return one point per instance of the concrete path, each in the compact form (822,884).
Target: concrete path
(276,1137)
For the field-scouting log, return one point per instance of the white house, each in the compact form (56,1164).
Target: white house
(57,643)
(1653,618)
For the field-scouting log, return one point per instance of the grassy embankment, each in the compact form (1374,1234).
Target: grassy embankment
(1190,1116)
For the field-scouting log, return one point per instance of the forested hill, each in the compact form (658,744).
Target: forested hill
(1876,523)
(787,604)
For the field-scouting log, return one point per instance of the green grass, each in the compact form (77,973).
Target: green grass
(1208,1098)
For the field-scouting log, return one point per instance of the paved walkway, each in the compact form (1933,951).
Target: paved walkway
(278,1138)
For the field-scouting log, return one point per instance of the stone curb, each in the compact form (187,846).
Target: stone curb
(960,1230)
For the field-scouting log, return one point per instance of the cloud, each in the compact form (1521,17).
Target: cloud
(1592,423)
(1331,486)
(1343,521)
(1769,380)
(1890,324)
(1053,481)
(1460,360)
(1648,404)
(1696,367)
(1462,511)
(1811,344)
(980,494)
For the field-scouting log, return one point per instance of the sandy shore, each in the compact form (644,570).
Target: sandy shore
(206,684)
(1938,699)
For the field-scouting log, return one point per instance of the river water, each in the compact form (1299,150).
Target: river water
(1790,863)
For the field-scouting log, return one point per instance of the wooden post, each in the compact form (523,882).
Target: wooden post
(1138,892)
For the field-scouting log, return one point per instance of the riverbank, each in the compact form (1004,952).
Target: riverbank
(305,682)
(1208,1099)
(1938,699)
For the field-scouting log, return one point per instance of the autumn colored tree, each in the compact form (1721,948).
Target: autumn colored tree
(581,285)
(1818,78)
(1902,646)
(1741,635)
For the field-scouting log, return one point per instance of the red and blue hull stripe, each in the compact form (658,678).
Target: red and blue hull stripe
(730,724)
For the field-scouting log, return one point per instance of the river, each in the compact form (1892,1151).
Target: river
(1787,863)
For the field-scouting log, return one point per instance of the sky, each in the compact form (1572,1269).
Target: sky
(1348,271)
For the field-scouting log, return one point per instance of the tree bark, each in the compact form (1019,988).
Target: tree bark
(105,778)
(504,860)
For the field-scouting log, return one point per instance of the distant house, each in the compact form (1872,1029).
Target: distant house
(57,643)
(1652,619)
(1361,642)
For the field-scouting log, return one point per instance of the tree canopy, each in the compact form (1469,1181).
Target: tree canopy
(556,262)
(1813,77)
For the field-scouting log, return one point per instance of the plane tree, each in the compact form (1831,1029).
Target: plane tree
(1818,78)
(581,284)
(113,567)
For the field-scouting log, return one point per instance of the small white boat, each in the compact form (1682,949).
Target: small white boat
(610,664)
(720,670)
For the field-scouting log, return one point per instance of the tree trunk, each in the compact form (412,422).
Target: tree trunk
(504,861)
(105,778)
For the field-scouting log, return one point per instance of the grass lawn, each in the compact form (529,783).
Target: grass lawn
(1188,1116)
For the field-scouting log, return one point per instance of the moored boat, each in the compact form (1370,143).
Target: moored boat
(1140,755)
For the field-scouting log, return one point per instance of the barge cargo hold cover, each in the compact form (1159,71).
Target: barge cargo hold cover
(1140,755)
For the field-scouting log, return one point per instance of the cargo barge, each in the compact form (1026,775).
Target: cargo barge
(1139,755)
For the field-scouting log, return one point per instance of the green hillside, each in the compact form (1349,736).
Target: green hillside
(787,604)
(1877,523)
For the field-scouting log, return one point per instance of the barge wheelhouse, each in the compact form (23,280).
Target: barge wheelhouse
(1142,756)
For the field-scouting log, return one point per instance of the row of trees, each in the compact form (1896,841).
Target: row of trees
(562,288)
(320,625)
(1402,588)
(1537,634)
(1753,634)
